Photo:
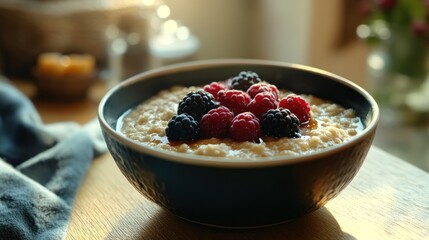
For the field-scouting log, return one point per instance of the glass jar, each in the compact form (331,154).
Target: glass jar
(398,70)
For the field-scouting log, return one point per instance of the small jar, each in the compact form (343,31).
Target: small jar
(64,77)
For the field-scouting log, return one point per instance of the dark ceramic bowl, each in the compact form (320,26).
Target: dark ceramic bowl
(245,193)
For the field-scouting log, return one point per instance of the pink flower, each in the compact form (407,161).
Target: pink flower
(386,4)
(419,27)
(365,7)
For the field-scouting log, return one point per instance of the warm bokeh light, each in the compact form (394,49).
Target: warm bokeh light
(376,62)
(363,31)
(381,30)
(169,26)
(183,33)
(119,46)
(148,2)
(133,38)
(163,11)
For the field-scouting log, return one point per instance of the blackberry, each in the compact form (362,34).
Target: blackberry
(244,80)
(183,127)
(280,123)
(197,104)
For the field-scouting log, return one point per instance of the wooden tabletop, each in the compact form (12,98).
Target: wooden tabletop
(388,199)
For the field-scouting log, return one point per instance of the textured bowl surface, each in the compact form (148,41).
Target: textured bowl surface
(221,192)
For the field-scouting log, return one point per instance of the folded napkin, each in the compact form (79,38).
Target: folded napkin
(41,168)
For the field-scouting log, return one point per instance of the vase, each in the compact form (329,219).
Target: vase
(398,73)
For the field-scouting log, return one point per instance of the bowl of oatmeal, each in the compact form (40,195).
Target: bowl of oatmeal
(238,143)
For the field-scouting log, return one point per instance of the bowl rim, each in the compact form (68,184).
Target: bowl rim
(209,161)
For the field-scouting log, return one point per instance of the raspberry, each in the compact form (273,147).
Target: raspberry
(262,102)
(216,123)
(298,106)
(235,100)
(280,123)
(244,80)
(197,104)
(214,88)
(182,127)
(245,127)
(262,87)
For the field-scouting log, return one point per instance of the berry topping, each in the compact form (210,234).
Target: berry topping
(262,87)
(280,123)
(197,104)
(298,106)
(182,127)
(244,80)
(209,112)
(262,102)
(245,127)
(216,123)
(214,88)
(235,100)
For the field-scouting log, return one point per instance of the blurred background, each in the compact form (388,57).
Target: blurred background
(60,50)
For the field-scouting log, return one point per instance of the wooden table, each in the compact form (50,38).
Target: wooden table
(388,199)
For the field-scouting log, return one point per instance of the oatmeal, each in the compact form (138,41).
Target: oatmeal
(330,124)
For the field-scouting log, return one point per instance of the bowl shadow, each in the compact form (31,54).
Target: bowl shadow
(163,225)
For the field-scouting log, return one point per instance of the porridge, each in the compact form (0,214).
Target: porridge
(326,124)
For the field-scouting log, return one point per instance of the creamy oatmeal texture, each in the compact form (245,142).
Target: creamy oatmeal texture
(331,124)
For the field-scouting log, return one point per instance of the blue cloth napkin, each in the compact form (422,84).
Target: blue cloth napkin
(41,168)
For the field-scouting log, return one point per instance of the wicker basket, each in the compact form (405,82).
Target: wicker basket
(29,28)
